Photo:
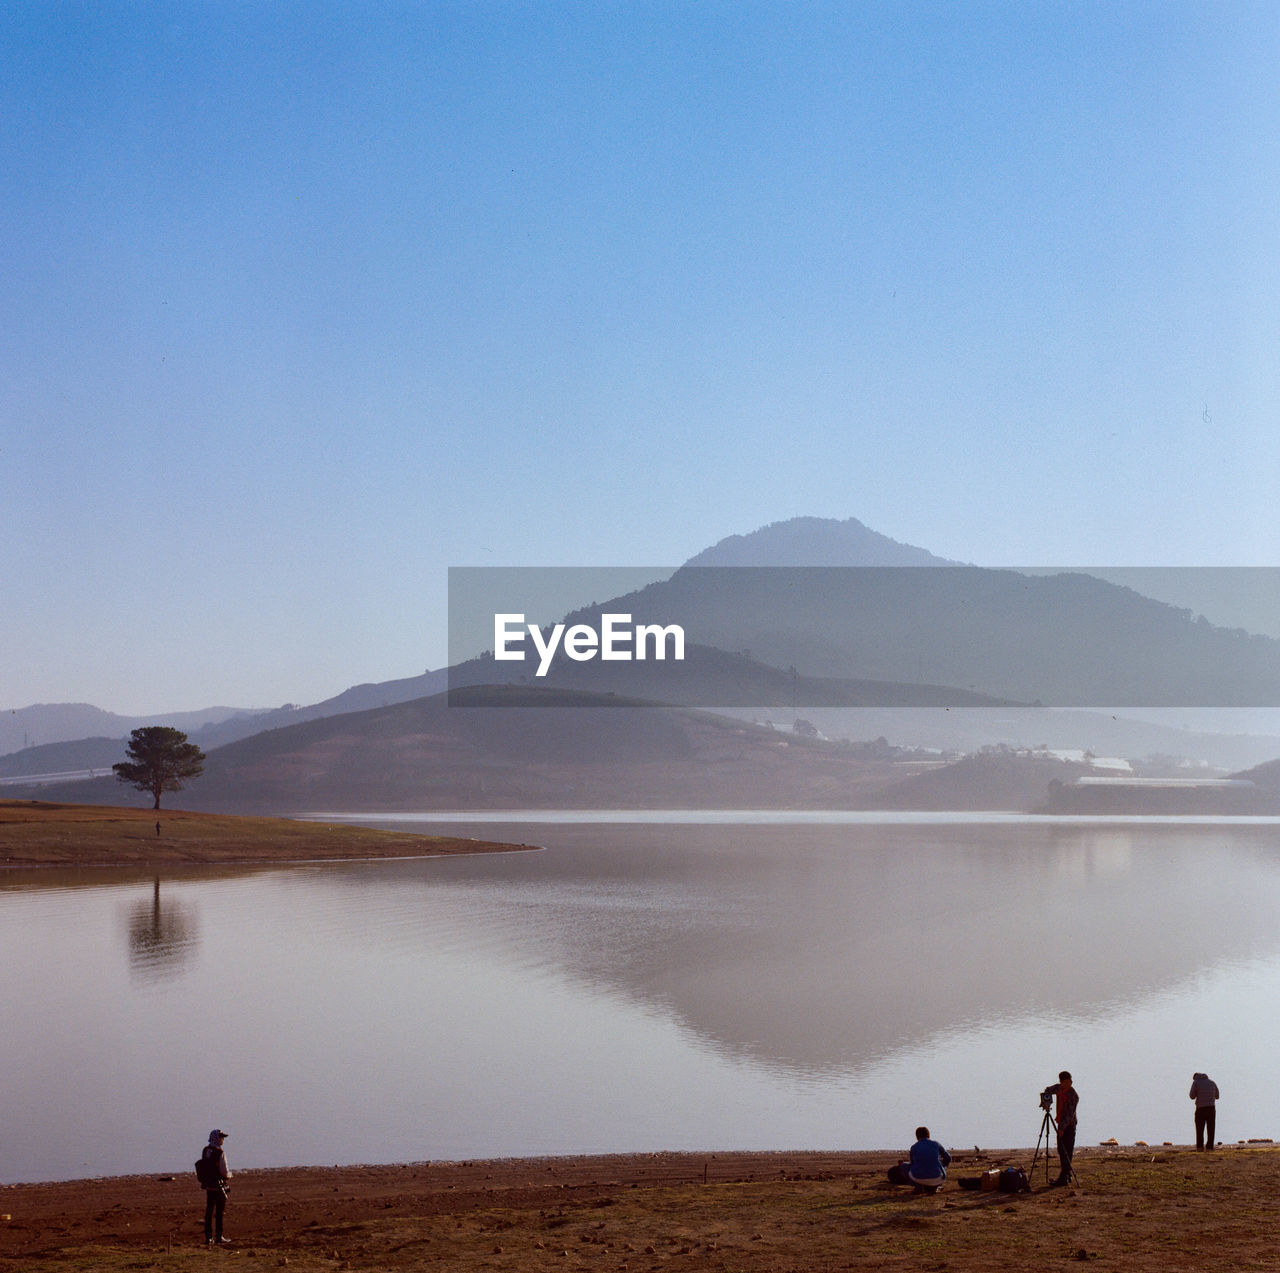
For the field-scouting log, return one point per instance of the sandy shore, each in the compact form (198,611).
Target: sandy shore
(1134,1208)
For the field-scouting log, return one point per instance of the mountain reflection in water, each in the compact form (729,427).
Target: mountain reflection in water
(643,986)
(825,947)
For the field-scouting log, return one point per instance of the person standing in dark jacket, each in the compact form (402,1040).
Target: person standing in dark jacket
(1204,1091)
(215,1195)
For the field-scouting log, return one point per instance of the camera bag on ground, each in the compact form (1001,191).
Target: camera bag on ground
(1014,1180)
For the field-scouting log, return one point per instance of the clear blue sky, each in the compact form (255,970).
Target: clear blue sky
(305,302)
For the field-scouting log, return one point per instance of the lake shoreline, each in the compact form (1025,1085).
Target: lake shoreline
(39,833)
(1148,1207)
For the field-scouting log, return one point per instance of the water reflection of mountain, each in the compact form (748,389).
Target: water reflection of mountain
(821,948)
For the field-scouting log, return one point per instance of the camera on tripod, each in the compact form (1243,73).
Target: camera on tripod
(1046,1097)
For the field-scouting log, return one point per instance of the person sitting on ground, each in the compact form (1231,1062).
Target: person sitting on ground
(926,1167)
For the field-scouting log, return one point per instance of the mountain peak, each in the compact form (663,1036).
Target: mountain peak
(815,541)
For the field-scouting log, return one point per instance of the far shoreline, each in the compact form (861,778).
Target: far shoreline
(665,1165)
(40,833)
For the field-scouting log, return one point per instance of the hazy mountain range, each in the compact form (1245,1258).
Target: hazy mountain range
(530,747)
(800,541)
(824,623)
(44,723)
(567,753)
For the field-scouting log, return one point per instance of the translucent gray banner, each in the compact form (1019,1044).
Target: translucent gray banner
(834,636)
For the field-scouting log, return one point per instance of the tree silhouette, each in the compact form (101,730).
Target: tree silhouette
(160,759)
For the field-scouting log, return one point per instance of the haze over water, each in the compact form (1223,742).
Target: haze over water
(645,985)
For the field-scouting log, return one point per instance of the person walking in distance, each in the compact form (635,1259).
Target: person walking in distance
(1204,1091)
(216,1181)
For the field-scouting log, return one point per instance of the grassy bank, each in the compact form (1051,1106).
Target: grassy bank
(1134,1209)
(44,833)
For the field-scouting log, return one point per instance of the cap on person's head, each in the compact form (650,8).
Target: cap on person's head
(1064,1076)
(217,1134)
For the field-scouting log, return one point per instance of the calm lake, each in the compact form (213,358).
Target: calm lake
(734,981)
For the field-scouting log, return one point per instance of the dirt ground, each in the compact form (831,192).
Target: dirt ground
(1136,1209)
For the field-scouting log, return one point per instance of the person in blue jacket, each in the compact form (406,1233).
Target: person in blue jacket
(926,1167)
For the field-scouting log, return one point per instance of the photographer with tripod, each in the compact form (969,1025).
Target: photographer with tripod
(1067,1099)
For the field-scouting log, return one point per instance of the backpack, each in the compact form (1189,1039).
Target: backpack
(1014,1180)
(207,1172)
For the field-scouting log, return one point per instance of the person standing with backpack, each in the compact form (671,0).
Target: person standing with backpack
(214,1176)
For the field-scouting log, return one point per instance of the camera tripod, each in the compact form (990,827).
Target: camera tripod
(1046,1123)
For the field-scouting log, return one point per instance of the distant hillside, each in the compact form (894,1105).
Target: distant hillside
(1265,776)
(827,620)
(989,780)
(1104,733)
(43,723)
(1061,640)
(27,730)
(357,698)
(709,677)
(427,755)
(538,748)
(84,753)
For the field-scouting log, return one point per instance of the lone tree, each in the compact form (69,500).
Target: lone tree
(160,759)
